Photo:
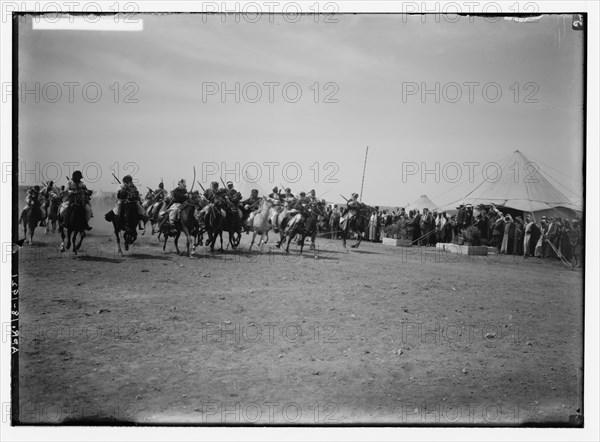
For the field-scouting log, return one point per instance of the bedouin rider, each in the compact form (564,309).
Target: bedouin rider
(212,194)
(234,198)
(159,196)
(177,197)
(277,199)
(32,198)
(47,192)
(301,203)
(250,204)
(353,206)
(76,191)
(128,191)
(276,196)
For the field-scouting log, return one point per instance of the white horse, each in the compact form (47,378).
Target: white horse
(259,222)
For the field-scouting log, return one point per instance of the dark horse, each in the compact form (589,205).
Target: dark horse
(304,225)
(186,223)
(233,225)
(213,225)
(357,224)
(74,222)
(52,212)
(30,218)
(127,222)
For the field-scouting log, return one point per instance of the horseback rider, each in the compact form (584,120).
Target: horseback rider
(276,196)
(128,191)
(158,196)
(250,204)
(177,197)
(299,206)
(214,196)
(234,198)
(312,196)
(74,192)
(47,192)
(353,207)
(32,198)
(211,192)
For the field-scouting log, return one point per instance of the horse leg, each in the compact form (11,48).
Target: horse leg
(47,229)
(187,241)
(31,232)
(81,236)
(118,240)
(262,239)
(61,229)
(290,237)
(176,239)
(69,233)
(359,240)
(221,239)
(165,237)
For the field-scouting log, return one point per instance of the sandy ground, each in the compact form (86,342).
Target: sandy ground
(381,334)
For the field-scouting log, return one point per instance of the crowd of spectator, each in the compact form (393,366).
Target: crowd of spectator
(546,237)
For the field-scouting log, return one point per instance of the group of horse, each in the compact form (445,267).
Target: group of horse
(219,217)
(45,212)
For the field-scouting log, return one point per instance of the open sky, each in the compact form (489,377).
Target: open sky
(372,67)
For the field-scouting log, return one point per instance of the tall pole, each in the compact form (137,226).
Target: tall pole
(363,177)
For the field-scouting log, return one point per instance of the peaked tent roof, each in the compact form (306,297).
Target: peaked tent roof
(422,202)
(518,185)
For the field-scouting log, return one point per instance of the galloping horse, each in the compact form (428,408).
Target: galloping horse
(31,217)
(261,223)
(232,224)
(213,225)
(74,222)
(152,210)
(357,224)
(52,212)
(186,223)
(127,223)
(304,225)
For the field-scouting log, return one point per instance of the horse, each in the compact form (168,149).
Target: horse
(126,222)
(304,225)
(186,223)
(261,223)
(52,213)
(213,225)
(31,217)
(232,224)
(74,222)
(357,224)
(152,207)
(278,218)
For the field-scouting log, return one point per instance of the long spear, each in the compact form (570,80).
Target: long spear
(201,186)
(363,177)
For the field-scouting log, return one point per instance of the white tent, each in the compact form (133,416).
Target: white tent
(423,202)
(519,185)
